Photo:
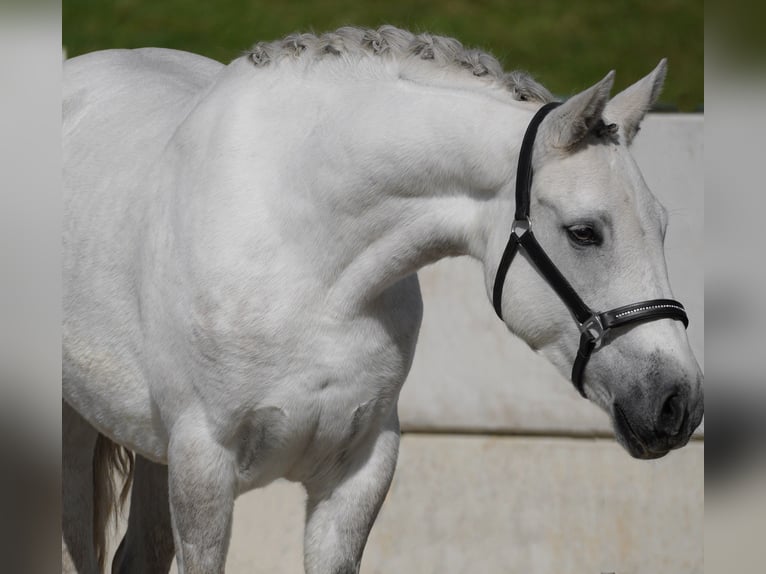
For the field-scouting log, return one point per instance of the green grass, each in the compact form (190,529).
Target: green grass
(566,44)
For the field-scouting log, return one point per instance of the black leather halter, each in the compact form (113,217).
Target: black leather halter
(593,326)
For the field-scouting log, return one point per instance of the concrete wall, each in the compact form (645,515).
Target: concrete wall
(501,504)
(499,471)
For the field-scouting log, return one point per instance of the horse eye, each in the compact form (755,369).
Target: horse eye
(583,235)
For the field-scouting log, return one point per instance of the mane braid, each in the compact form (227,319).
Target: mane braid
(437,52)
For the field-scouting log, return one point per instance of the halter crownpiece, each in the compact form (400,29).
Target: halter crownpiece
(594,327)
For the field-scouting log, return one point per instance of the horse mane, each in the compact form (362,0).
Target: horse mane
(427,57)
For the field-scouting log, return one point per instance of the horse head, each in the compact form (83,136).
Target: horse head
(603,230)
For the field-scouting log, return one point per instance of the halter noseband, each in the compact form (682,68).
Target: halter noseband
(593,326)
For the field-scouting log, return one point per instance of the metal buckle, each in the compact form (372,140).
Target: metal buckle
(594,328)
(524,224)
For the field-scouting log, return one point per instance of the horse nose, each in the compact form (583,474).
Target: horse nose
(672,412)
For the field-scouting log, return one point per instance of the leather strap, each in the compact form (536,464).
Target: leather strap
(523,186)
(587,344)
(524,168)
(555,279)
(645,311)
(502,270)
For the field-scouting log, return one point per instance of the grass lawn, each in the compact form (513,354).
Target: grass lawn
(566,44)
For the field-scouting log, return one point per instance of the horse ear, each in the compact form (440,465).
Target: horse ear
(567,125)
(628,108)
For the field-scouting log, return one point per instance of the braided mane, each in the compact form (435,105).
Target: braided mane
(425,55)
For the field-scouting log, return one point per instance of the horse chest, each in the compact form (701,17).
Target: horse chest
(348,388)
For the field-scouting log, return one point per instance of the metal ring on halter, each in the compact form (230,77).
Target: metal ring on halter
(524,224)
(594,328)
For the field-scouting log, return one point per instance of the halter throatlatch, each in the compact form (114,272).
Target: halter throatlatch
(593,326)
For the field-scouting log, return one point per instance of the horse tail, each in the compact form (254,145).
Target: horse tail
(112,465)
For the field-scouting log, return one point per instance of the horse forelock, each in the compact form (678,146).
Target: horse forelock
(436,53)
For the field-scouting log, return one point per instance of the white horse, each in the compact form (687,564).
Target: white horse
(240,250)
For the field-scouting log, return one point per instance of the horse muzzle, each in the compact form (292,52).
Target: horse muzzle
(654,428)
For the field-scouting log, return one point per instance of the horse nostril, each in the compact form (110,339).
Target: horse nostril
(671,415)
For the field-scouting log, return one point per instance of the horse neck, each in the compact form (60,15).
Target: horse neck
(397,174)
(410,175)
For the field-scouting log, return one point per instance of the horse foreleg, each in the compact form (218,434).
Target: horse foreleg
(202,483)
(147,546)
(78,445)
(339,516)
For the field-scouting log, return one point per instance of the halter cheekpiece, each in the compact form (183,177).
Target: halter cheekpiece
(594,326)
